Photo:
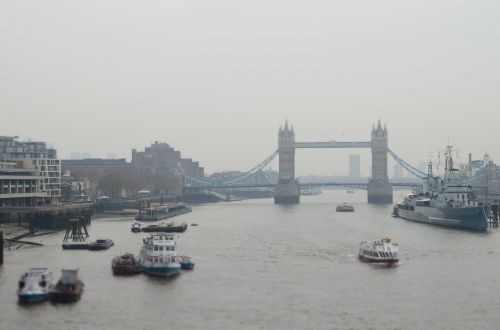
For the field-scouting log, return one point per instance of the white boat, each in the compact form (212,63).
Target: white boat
(379,252)
(34,285)
(137,227)
(158,255)
(344,207)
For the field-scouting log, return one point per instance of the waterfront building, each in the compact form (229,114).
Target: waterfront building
(354,166)
(37,157)
(96,176)
(19,187)
(160,158)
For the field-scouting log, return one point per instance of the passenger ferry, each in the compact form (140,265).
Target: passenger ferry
(379,252)
(162,212)
(158,255)
(34,285)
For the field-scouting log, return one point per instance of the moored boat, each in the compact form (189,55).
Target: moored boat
(137,227)
(185,262)
(125,264)
(101,244)
(34,285)
(166,227)
(379,252)
(162,212)
(158,255)
(447,202)
(69,288)
(344,207)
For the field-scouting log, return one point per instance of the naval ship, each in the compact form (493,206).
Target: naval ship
(445,202)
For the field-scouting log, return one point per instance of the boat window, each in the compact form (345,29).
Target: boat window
(156,248)
(161,248)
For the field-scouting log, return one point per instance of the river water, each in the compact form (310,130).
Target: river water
(263,266)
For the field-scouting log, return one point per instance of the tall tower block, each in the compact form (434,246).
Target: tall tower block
(287,190)
(379,188)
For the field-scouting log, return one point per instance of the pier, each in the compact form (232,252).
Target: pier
(52,217)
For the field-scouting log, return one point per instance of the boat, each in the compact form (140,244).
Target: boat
(162,212)
(194,224)
(166,227)
(350,191)
(158,255)
(125,264)
(69,288)
(34,285)
(101,244)
(185,262)
(447,202)
(137,227)
(379,252)
(344,207)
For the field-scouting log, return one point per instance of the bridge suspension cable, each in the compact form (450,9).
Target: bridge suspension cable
(242,177)
(254,170)
(416,172)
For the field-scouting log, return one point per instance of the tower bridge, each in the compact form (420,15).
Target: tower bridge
(287,190)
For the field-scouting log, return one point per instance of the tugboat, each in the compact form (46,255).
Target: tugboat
(101,244)
(380,252)
(34,285)
(166,227)
(126,264)
(69,288)
(137,227)
(185,262)
(344,207)
(158,255)
(448,202)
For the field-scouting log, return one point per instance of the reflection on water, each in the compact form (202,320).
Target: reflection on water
(262,266)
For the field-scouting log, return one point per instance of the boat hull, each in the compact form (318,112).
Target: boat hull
(75,246)
(66,293)
(162,271)
(378,261)
(126,269)
(32,298)
(164,229)
(100,246)
(470,218)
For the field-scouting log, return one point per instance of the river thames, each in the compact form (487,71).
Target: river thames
(263,266)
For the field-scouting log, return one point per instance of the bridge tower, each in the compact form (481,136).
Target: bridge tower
(287,190)
(379,188)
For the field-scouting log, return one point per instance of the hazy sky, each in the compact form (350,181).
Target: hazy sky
(215,79)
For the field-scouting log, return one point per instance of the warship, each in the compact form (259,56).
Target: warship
(447,201)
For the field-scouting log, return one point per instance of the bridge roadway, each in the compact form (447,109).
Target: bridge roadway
(333,144)
(322,184)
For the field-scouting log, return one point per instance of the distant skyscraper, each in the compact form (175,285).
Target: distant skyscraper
(354,166)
